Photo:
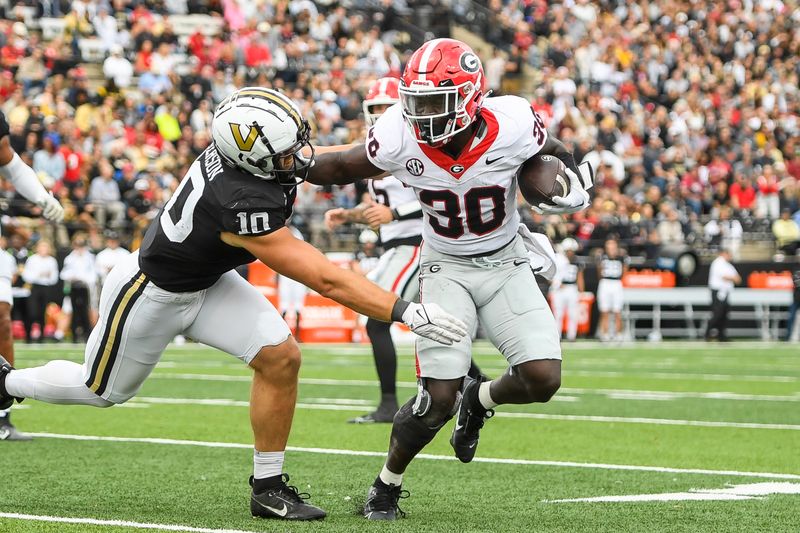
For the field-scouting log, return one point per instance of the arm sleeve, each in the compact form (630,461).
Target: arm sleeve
(24,180)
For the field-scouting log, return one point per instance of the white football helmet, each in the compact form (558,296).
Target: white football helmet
(261,132)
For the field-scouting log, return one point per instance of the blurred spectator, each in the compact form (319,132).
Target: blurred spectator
(495,68)
(670,230)
(32,71)
(80,275)
(105,197)
(41,273)
(725,233)
(105,26)
(49,161)
(787,233)
(722,278)
(117,67)
(110,256)
(767,200)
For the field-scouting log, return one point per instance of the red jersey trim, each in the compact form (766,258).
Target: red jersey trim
(469,157)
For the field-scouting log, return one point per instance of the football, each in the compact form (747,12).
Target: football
(541,177)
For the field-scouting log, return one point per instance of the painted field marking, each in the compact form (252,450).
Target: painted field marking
(363,453)
(628,394)
(346,405)
(749,491)
(117,523)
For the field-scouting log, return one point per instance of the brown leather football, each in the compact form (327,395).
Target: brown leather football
(541,177)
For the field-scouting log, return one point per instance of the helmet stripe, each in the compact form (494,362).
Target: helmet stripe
(426,56)
(279,100)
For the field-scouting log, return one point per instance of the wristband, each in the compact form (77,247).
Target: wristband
(398,309)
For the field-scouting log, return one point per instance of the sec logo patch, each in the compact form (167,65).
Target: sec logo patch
(415,167)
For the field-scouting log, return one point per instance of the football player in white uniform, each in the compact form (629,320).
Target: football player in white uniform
(566,288)
(230,208)
(461,152)
(24,179)
(397,214)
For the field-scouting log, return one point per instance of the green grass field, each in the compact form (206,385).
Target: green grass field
(632,420)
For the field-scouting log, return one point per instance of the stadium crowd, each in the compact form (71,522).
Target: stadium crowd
(688,110)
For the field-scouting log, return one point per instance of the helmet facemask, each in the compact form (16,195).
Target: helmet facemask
(275,166)
(435,114)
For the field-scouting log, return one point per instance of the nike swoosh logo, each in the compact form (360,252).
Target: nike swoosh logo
(423,317)
(518,262)
(459,428)
(490,161)
(472,445)
(279,512)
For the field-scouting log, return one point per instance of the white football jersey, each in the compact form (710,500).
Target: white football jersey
(391,192)
(470,202)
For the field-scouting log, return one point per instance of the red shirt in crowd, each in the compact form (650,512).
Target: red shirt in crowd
(746,196)
(257,55)
(74,163)
(768,184)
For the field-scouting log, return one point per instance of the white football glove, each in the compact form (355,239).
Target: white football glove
(51,208)
(578,197)
(433,322)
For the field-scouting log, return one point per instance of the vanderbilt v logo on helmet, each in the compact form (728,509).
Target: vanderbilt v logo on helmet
(244,144)
(262,132)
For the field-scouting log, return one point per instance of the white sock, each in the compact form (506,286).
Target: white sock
(390,478)
(5,412)
(55,382)
(485,397)
(267,464)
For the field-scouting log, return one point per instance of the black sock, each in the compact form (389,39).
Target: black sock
(385,355)
(267,483)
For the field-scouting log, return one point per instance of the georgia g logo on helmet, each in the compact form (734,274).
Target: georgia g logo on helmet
(261,132)
(469,62)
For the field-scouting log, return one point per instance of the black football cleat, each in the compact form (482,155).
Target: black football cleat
(384,414)
(283,501)
(6,400)
(469,421)
(383,501)
(10,433)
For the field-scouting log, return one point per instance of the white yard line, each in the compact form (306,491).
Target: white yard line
(117,523)
(568,390)
(349,405)
(363,453)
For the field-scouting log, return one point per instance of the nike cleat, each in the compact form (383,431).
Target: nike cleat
(284,501)
(384,414)
(383,501)
(9,432)
(469,421)
(6,400)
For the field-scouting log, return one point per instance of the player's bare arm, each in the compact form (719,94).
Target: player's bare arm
(340,167)
(298,260)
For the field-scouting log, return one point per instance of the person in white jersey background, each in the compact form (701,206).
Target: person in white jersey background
(292,294)
(396,213)
(722,278)
(612,265)
(460,152)
(566,288)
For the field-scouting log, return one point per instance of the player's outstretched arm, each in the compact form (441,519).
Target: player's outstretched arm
(340,167)
(298,260)
(24,179)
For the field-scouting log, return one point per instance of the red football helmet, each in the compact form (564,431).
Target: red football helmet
(382,92)
(442,90)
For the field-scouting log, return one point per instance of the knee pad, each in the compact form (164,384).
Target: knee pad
(410,431)
(423,402)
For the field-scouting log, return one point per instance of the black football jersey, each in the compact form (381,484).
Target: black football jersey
(182,250)
(570,272)
(612,267)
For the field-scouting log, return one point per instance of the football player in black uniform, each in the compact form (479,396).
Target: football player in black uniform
(24,179)
(230,209)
